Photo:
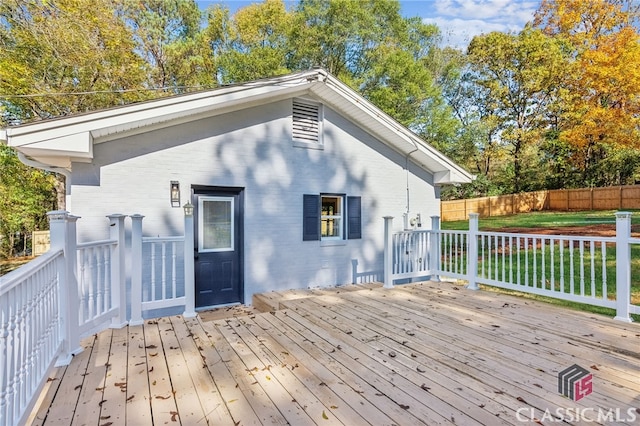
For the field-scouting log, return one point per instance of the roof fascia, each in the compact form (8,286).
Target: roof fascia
(445,166)
(123,119)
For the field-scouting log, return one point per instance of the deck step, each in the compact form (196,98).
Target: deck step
(272,300)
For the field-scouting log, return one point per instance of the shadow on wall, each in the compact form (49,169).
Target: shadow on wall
(275,175)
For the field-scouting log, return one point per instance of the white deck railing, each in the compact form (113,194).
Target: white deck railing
(163,272)
(94,269)
(30,335)
(564,267)
(572,268)
(75,290)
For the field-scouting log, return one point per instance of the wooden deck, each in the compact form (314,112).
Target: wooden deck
(426,353)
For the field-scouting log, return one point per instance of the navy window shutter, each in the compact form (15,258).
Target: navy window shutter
(354,218)
(311,217)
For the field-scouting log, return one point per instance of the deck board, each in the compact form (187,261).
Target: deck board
(138,406)
(68,393)
(424,353)
(113,409)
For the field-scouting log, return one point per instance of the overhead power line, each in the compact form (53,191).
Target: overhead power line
(95,92)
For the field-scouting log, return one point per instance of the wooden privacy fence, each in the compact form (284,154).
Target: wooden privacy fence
(608,198)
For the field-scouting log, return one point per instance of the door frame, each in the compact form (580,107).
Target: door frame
(228,191)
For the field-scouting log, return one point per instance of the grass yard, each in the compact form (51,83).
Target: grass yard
(544,220)
(600,223)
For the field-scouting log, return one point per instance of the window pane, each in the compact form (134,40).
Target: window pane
(331,217)
(217,225)
(330,227)
(331,206)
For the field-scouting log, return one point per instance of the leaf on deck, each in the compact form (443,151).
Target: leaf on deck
(324,415)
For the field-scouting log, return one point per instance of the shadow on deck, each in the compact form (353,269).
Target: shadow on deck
(424,353)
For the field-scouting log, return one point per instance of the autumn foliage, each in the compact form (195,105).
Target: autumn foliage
(600,103)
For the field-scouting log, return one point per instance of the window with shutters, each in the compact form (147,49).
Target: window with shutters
(307,124)
(331,218)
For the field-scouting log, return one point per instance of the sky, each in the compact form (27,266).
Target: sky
(458,20)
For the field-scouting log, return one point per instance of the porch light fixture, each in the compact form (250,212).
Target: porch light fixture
(175,193)
(188,209)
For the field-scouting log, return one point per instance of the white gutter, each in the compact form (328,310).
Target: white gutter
(3,136)
(38,165)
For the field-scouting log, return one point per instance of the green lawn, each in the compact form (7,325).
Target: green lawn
(545,220)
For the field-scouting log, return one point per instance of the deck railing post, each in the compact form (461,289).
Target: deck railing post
(472,252)
(434,249)
(388,253)
(63,236)
(118,280)
(136,269)
(189,263)
(623,267)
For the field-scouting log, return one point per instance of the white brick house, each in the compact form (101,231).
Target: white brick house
(290,178)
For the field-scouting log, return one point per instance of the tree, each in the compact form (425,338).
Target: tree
(58,58)
(476,146)
(402,80)
(64,57)
(601,103)
(519,75)
(252,44)
(169,38)
(26,194)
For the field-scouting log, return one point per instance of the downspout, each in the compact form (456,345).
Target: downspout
(406,167)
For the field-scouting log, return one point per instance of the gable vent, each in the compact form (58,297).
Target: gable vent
(306,122)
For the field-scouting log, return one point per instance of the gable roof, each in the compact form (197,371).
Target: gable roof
(58,142)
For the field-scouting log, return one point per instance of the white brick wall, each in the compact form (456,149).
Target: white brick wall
(252,149)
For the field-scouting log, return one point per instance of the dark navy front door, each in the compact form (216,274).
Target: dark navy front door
(218,247)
